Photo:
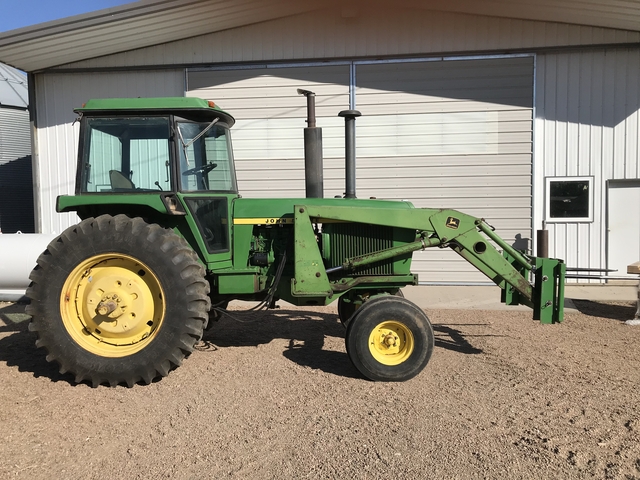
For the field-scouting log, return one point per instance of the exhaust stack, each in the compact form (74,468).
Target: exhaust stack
(350,151)
(313,177)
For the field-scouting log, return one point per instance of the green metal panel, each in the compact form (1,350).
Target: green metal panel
(310,276)
(69,203)
(163,104)
(241,235)
(275,208)
(238,284)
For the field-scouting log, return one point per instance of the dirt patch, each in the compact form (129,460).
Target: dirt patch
(503,397)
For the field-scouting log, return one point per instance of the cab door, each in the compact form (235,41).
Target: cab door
(207,184)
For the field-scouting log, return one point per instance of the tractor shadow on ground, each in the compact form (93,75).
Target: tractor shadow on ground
(622,311)
(18,349)
(306,332)
(452,339)
(12,315)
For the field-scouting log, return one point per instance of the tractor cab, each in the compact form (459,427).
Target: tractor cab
(175,149)
(137,147)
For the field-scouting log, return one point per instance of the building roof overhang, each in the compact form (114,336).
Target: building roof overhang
(151,22)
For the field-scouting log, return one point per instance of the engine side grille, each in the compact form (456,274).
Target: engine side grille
(348,240)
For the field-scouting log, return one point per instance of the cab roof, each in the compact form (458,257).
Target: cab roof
(184,106)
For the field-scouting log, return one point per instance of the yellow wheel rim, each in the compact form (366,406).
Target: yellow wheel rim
(391,343)
(112,305)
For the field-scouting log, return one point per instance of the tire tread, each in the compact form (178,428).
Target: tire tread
(175,252)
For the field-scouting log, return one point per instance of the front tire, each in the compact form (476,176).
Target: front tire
(347,309)
(389,339)
(118,300)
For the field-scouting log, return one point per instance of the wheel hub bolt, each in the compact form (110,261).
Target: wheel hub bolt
(390,340)
(106,307)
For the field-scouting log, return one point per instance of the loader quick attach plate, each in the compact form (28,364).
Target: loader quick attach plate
(547,300)
(548,292)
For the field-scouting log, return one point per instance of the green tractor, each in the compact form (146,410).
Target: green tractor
(166,242)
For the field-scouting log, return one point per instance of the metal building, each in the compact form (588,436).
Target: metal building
(524,113)
(16,190)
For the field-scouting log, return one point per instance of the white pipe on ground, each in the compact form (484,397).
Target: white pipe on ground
(18,255)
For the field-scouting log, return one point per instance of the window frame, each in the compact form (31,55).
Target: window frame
(177,152)
(84,146)
(590,206)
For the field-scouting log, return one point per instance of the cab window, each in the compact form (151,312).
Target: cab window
(206,160)
(125,154)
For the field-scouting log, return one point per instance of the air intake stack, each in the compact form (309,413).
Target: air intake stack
(313,177)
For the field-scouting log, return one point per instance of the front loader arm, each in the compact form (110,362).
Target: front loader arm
(466,235)
(508,270)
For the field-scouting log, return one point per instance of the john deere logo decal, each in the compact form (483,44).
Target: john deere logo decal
(453,222)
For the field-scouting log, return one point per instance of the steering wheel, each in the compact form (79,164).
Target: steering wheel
(208,235)
(201,169)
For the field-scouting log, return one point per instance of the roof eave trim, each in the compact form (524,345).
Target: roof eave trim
(91,19)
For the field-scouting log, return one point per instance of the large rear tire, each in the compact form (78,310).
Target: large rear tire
(389,339)
(118,300)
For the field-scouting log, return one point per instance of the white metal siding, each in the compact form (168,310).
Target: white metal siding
(452,134)
(57,137)
(270,118)
(372,32)
(588,107)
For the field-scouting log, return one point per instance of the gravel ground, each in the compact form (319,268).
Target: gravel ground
(503,397)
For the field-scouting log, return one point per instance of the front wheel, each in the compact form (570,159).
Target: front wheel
(347,309)
(118,300)
(389,339)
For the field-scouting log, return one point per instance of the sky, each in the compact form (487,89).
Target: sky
(22,13)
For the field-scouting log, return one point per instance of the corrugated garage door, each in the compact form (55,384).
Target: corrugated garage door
(270,118)
(16,184)
(449,134)
(445,134)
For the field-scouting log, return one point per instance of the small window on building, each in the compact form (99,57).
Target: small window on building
(569,199)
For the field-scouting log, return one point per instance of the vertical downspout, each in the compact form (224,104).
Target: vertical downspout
(35,160)
(537,220)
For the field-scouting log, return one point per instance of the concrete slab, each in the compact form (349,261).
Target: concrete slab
(607,293)
(457,297)
(488,297)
